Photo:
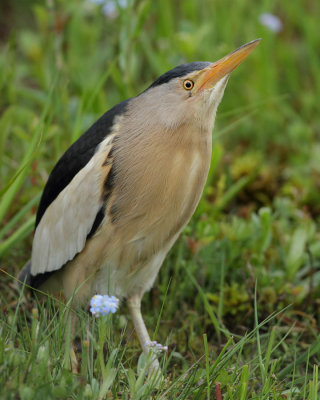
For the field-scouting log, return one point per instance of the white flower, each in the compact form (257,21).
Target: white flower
(103,305)
(272,22)
(98,2)
(110,7)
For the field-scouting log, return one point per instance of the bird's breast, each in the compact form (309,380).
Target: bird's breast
(159,190)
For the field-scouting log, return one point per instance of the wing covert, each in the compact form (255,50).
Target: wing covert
(65,225)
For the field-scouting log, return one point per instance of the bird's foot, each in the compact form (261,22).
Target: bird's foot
(154,371)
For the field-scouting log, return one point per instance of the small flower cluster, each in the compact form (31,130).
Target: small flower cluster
(272,22)
(110,7)
(103,305)
(153,345)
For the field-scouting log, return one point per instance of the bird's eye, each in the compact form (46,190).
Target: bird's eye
(188,84)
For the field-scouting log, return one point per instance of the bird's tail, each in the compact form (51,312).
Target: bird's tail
(25,274)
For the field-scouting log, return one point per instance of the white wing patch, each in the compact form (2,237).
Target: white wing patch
(63,229)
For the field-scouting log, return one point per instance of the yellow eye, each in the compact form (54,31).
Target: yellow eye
(188,84)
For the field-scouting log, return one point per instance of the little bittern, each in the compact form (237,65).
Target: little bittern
(119,197)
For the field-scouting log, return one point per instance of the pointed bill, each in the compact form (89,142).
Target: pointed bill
(216,71)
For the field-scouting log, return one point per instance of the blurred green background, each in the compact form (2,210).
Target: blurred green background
(63,64)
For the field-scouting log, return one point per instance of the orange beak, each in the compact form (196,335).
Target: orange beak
(212,74)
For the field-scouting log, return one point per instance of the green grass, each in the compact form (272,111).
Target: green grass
(239,293)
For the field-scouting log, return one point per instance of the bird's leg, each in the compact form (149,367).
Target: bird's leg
(73,320)
(134,304)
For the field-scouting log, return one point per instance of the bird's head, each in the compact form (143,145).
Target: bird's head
(191,93)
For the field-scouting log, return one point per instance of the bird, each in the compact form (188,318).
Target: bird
(119,197)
